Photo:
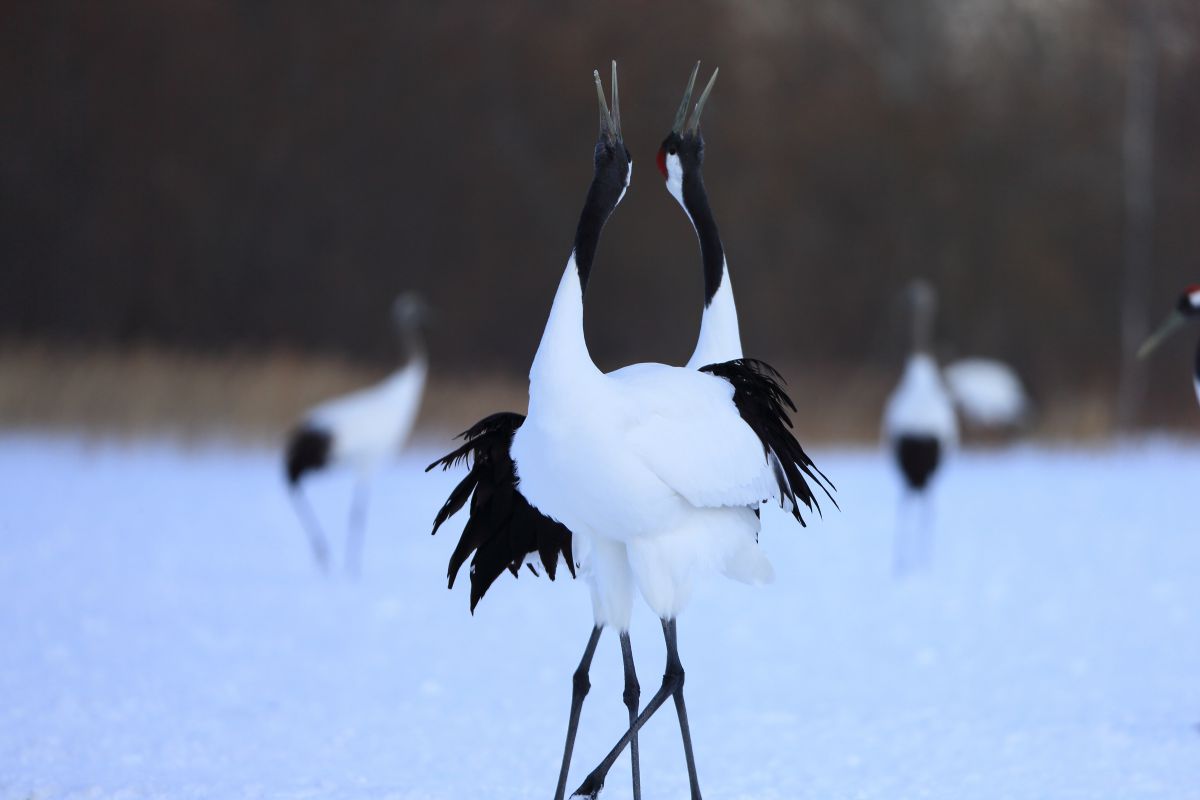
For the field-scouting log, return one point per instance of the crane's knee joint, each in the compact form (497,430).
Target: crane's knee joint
(580,682)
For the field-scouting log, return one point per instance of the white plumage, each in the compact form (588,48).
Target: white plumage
(988,393)
(370,425)
(650,452)
(921,405)
(920,428)
(360,431)
(650,476)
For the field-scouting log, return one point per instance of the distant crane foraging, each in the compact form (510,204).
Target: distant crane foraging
(1187,309)
(919,426)
(360,430)
(989,394)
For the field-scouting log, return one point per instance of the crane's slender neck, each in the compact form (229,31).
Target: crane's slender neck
(412,343)
(563,348)
(922,330)
(1196,373)
(712,253)
(720,337)
(602,198)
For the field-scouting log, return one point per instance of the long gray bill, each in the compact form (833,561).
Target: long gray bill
(1171,324)
(681,114)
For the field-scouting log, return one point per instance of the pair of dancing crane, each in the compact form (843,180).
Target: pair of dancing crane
(647,477)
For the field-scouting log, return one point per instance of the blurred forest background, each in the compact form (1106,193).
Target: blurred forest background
(206,206)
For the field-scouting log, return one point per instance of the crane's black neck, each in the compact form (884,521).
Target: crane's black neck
(695,200)
(1196,366)
(602,197)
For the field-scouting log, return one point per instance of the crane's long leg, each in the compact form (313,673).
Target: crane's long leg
(672,685)
(632,696)
(312,528)
(925,523)
(680,708)
(902,549)
(580,685)
(357,528)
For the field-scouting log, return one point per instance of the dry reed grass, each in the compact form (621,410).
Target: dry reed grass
(256,396)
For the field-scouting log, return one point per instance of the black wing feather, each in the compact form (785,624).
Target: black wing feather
(502,529)
(308,450)
(764,404)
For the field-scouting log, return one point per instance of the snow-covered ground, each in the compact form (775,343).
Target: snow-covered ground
(163,634)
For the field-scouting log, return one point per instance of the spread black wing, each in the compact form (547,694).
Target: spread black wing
(761,400)
(503,529)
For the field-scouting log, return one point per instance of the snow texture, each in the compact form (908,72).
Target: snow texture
(166,636)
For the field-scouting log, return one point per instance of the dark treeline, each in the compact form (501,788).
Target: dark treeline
(217,174)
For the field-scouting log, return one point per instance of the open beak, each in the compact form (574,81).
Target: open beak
(1172,323)
(610,121)
(681,115)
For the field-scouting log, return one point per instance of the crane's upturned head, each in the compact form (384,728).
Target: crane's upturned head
(682,152)
(613,163)
(1186,309)
(1189,301)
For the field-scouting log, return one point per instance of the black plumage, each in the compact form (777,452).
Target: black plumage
(764,405)
(918,456)
(308,449)
(502,529)
(1196,367)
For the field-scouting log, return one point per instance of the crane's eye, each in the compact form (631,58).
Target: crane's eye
(671,150)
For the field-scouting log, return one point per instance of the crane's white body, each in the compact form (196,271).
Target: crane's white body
(988,393)
(921,405)
(361,431)
(370,425)
(919,412)
(651,467)
(664,561)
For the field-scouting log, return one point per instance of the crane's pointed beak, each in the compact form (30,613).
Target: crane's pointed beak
(694,126)
(681,114)
(1171,324)
(610,121)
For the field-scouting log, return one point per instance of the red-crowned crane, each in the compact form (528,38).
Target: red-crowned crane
(919,426)
(360,430)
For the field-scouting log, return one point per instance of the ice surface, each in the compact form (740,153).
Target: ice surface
(165,636)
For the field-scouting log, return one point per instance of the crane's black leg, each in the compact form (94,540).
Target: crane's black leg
(633,694)
(673,663)
(316,539)
(672,684)
(579,689)
(357,529)
(902,558)
(926,529)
